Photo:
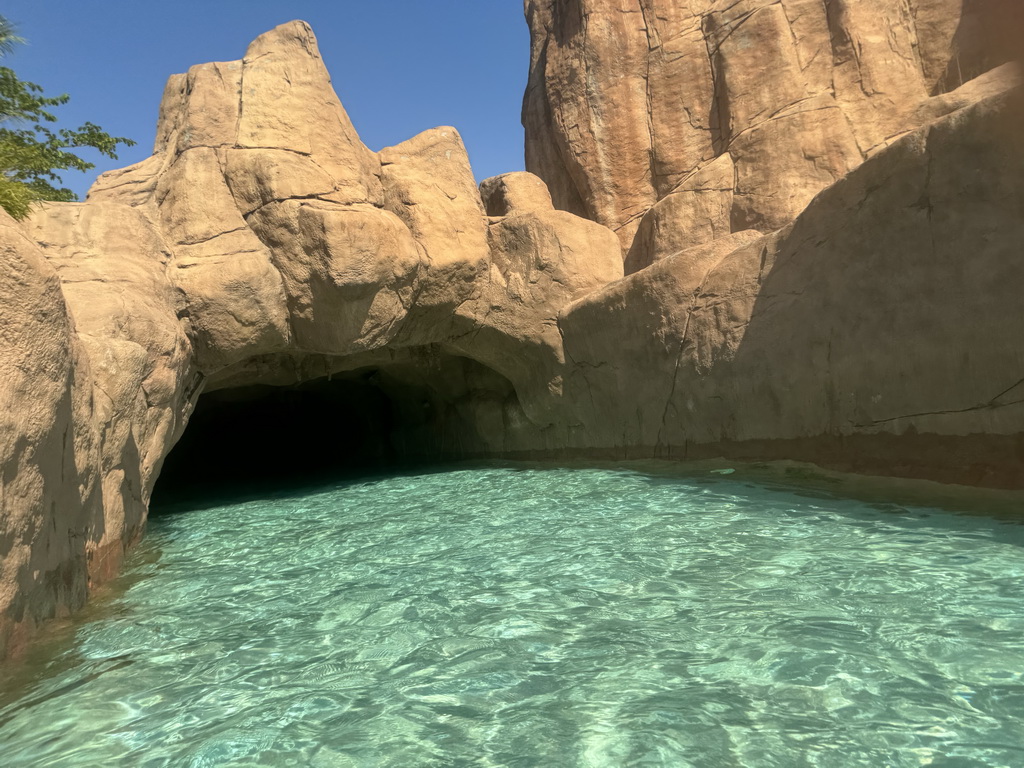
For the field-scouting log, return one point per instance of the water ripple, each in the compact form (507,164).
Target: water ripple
(497,617)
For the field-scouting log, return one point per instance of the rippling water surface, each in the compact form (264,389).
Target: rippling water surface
(503,617)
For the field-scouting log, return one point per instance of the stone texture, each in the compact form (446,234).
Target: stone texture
(430,187)
(987,34)
(698,211)
(112,265)
(825,267)
(519,192)
(879,332)
(286,103)
(992,83)
(540,262)
(629,99)
(49,486)
(262,243)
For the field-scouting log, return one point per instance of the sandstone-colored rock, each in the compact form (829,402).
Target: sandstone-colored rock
(637,335)
(113,266)
(1002,79)
(49,504)
(936,22)
(697,212)
(348,271)
(537,256)
(628,98)
(595,152)
(879,332)
(263,245)
(540,262)
(783,163)
(277,253)
(877,75)
(133,185)
(681,93)
(287,103)
(203,108)
(988,33)
(935,217)
(429,185)
(234,293)
(512,193)
(258,177)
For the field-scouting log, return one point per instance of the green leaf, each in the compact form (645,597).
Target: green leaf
(32,155)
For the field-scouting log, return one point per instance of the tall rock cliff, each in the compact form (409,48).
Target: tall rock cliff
(715,116)
(880,331)
(821,207)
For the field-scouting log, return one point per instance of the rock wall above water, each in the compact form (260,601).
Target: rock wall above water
(718,116)
(261,243)
(829,276)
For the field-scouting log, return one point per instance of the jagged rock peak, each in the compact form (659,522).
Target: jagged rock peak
(261,244)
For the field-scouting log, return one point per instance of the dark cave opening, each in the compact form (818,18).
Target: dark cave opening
(257,440)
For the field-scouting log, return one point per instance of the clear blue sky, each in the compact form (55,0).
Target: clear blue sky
(399,66)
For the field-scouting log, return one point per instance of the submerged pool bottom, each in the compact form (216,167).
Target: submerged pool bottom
(503,617)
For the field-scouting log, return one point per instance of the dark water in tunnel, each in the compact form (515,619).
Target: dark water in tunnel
(501,616)
(422,409)
(255,440)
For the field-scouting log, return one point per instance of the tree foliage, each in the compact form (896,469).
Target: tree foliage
(33,151)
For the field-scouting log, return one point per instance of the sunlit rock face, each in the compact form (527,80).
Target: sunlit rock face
(732,115)
(263,244)
(816,205)
(833,281)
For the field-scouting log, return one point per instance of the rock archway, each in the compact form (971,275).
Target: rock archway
(263,246)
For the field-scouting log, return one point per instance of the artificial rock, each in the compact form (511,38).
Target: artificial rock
(628,100)
(757,230)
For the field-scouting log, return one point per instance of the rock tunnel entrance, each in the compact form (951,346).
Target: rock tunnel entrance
(257,439)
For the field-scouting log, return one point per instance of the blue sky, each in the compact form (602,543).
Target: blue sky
(399,66)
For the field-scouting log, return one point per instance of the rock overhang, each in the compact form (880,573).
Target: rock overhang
(264,244)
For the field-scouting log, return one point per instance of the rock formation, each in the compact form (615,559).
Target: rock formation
(878,332)
(733,115)
(261,243)
(823,266)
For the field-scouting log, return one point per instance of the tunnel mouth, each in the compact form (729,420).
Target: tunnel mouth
(259,440)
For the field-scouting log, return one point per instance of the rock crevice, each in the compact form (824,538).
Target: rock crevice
(795,93)
(808,252)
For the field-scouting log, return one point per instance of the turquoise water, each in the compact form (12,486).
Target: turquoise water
(503,617)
